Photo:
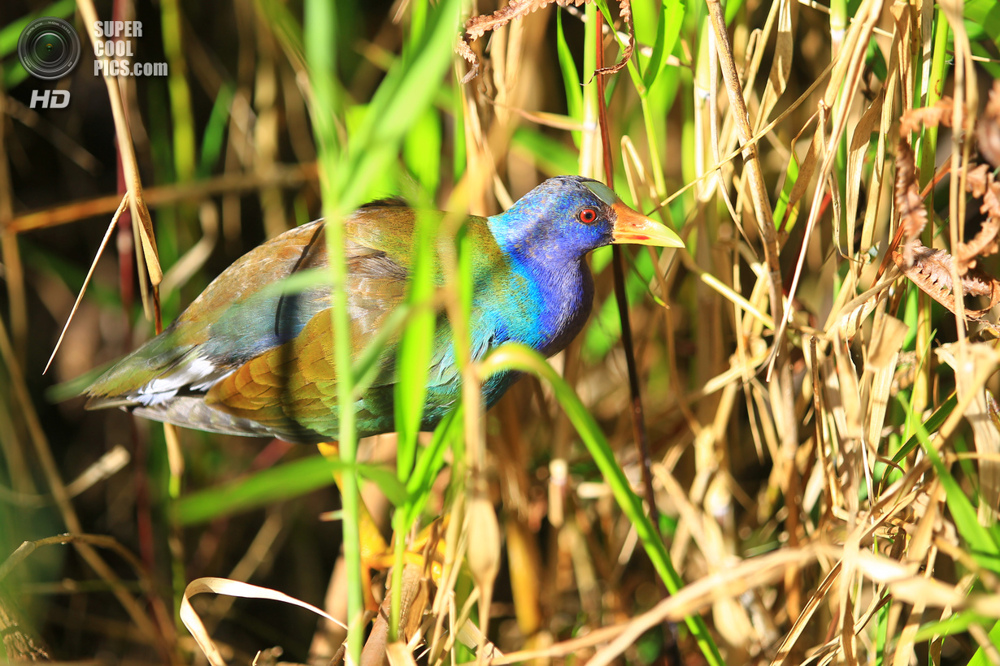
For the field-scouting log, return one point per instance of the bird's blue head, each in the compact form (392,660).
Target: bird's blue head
(568,216)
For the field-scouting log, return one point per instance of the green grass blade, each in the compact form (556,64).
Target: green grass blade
(934,421)
(320,38)
(286,28)
(277,484)
(552,156)
(422,150)
(13,72)
(417,344)
(668,30)
(571,78)
(956,624)
(429,464)
(214,136)
(407,90)
(524,359)
(980,658)
(12,31)
(983,543)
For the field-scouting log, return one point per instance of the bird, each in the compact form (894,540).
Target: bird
(250,358)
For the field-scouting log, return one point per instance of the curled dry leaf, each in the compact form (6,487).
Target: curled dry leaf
(982,185)
(909,205)
(988,128)
(477,26)
(983,244)
(931,271)
(625,11)
(914,119)
(978,180)
(991,198)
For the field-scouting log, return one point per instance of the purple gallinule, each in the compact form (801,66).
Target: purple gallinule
(248,360)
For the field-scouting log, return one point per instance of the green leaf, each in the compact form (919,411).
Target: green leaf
(982,19)
(215,131)
(605,329)
(519,357)
(668,29)
(422,150)
(875,61)
(930,425)
(983,543)
(428,466)
(276,484)
(13,72)
(386,481)
(407,90)
(571,78)
(981,658)
(781,210)
(553,157)
(417,344)
(286,28)
(732,8)
(986,61)
(955,624)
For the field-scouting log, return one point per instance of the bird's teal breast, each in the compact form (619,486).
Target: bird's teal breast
(543,305)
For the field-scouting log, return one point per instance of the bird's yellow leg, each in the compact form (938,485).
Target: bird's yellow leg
(374,549)
(426,550)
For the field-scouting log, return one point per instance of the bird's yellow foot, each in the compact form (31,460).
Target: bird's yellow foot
(426,551)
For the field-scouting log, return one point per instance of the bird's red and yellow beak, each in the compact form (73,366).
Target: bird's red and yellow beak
(637,229)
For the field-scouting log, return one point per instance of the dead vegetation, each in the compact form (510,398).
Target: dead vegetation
(823,438)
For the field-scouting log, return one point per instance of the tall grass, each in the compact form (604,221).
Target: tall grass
(823,434)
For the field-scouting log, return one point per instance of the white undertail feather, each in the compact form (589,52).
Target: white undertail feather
(192,372)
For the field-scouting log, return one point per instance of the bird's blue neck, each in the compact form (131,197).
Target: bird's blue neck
(550,290)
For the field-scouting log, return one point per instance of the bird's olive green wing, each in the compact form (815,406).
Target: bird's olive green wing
(291,389)
(237,316)
(246,323)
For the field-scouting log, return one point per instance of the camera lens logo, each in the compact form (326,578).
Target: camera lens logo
(48,48)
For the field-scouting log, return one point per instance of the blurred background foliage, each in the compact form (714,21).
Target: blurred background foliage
(746,461)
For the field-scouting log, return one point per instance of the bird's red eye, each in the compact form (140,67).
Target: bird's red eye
(588,215)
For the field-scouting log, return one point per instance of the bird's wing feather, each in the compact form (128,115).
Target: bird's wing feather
(227,324)
(247,357)
(244,313)
(293,384)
